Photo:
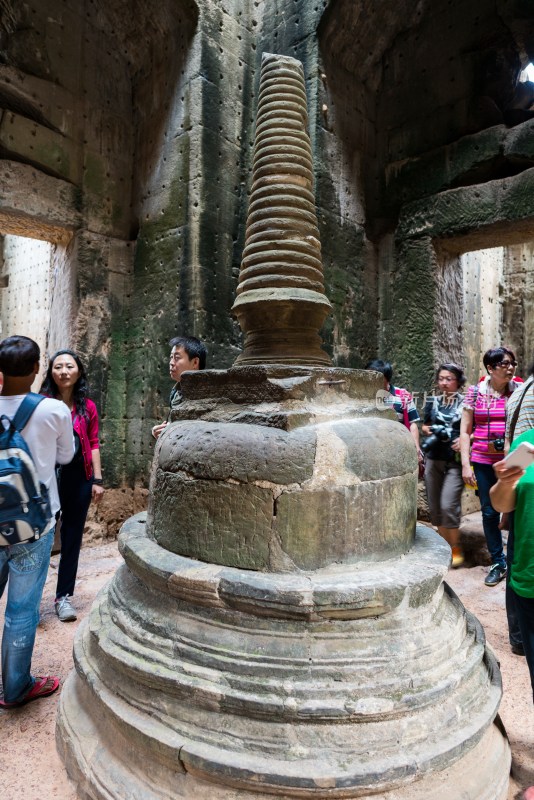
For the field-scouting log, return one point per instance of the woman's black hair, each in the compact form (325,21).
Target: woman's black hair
(456,370)
(495,356)
(80,390)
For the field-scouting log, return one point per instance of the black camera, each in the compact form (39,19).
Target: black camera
(440,434)
(496,446)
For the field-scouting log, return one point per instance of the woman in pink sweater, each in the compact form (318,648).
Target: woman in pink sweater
(81,480)
(484,419)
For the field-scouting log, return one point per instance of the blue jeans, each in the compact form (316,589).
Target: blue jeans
(486,478)
(25,567)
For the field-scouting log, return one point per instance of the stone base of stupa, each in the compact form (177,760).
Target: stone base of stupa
(100,773)
(205,682)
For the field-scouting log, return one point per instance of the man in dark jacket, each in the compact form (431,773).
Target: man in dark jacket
(188,353)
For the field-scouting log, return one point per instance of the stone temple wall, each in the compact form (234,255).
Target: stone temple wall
(125,141)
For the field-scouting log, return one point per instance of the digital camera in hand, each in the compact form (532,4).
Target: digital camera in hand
(441,434)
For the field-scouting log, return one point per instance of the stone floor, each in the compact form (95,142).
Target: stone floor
(31,768)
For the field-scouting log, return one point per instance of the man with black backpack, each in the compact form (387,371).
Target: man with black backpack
(35,434)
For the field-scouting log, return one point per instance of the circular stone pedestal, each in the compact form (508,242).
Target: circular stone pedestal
(264,668)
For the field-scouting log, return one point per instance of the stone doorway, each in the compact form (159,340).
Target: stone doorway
(38,273)
(434,234)
(498,292)
(27,284)
(498,304)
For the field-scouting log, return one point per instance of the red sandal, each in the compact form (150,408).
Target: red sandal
(43,687)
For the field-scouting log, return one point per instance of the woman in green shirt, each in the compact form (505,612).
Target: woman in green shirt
(514,491)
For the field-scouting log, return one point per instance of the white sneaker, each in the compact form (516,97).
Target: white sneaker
(65,609)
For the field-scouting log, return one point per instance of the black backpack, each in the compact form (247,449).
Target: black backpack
(24,504)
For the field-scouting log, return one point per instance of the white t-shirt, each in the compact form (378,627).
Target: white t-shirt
(49,436)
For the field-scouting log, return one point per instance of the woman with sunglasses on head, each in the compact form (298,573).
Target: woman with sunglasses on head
(81,480)
(443,471)
(484,417)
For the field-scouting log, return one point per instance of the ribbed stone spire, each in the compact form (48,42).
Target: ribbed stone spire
(280,302)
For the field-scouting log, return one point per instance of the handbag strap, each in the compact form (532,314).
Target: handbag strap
(517,409)
(406,418)
(475,398)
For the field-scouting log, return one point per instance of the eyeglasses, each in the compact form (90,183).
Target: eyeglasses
(506,364)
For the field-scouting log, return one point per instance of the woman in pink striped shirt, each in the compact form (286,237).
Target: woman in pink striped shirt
(484,417)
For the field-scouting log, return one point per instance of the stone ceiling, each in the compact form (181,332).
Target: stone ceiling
(361,33)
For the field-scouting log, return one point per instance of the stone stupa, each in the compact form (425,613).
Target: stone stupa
(281,626)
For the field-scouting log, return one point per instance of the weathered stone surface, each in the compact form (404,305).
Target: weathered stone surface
(288,625)
(518,303)
(37,99)
(238,452)
(469,157)
(280,303)
(471,160)
(186,786)
(159,104)
(329,526)
(31,201)
(25,296)
(263,498)
(519,145)
(51,152)
(351,671)
(415,313)
(281,397)
(302,489)
(483,276)
(469,212)
(435,303)
(339,592)
(225,523)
